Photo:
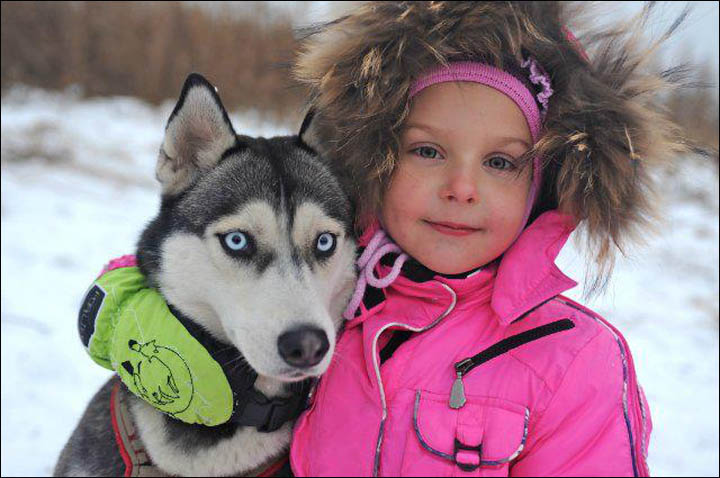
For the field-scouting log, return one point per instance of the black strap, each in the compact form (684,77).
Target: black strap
(250,407)
(268,414)
(512,342)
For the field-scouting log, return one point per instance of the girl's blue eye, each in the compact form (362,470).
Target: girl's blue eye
(498,162)
(236,241)
(426,152)
(325,244)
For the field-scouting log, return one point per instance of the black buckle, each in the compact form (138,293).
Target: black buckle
(267,415)
(278,411)
(467,466)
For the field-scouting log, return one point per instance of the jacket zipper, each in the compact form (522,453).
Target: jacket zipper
(376,366)
(463,367)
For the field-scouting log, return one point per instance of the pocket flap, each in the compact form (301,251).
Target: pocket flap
(498,426)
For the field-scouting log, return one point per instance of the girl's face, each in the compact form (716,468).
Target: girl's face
(455,201)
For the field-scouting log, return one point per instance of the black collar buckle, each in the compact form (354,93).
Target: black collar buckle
(254,409)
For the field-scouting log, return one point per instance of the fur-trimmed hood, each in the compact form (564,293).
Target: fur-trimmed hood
(603,132)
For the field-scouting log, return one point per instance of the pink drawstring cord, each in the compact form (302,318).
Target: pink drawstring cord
(379,245)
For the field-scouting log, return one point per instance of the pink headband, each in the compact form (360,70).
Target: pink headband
(513,88)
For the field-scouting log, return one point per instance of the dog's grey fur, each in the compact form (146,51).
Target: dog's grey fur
(215,182)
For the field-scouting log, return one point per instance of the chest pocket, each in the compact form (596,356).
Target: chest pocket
(479,439)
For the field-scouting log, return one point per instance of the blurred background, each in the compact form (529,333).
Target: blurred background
(86,90)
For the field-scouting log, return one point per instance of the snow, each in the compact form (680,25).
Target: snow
(78,187)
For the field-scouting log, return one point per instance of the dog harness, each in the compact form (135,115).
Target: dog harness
(131,448)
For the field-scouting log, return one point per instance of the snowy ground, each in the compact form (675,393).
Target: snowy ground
(77,188)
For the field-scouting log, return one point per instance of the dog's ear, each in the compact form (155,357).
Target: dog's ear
(307,136)
(196,136)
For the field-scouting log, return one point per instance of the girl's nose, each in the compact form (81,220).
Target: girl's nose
(460,187)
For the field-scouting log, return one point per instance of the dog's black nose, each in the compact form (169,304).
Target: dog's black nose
(303,347)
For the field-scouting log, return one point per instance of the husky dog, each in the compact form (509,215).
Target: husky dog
(278,300)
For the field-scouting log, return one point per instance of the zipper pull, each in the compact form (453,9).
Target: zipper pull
(457,395)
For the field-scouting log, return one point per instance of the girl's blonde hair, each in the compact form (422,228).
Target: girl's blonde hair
(605,128)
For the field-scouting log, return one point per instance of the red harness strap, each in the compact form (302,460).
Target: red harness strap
(118,438)
(274,468)
(130,447)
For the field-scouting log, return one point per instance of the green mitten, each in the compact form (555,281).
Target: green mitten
(127,327)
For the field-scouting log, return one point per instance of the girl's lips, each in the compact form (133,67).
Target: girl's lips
(451,229)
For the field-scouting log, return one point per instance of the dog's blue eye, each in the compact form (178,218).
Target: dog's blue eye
(236,241)
(238,244)
(325,243)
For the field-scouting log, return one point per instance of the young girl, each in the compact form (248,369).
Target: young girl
(478,136)
(475,137)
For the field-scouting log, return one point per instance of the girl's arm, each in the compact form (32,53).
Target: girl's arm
(595,423)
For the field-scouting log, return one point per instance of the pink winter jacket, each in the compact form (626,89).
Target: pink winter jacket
(549,386)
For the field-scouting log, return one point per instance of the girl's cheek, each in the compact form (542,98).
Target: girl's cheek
(406,186)
(408,172)
(396,201)
(505,212)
